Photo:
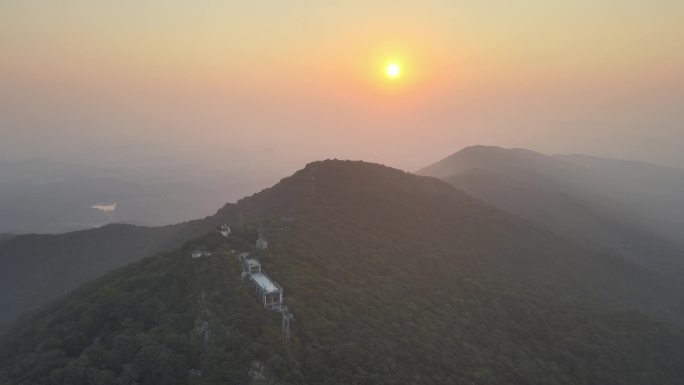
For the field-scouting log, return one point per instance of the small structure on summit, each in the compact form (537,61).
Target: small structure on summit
(224,230)
(269,292)
(250,266)
(200,252)
(261,242)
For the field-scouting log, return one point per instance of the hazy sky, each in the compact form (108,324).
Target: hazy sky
(287,82)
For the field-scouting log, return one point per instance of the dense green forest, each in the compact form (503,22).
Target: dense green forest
(392,279)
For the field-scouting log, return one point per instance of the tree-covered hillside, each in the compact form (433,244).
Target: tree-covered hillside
(392,279)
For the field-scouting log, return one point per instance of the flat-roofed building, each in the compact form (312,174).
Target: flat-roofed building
(269,292)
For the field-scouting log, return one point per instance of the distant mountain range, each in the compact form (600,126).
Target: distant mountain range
(393,278)
(631,209)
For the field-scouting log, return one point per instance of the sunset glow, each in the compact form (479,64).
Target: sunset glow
(392,70)
(503,72)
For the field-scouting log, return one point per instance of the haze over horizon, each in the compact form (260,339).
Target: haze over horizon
(273,86)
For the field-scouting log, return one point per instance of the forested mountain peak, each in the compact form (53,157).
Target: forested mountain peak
(347,182)
(502,160)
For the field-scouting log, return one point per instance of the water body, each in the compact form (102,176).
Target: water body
(105,208)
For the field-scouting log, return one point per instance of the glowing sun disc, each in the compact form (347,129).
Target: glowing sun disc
(392,70)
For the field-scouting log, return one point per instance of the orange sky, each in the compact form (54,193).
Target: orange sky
(304,79)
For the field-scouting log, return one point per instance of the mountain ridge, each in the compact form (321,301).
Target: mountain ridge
(606,204)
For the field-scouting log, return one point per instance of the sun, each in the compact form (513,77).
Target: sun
(392,70)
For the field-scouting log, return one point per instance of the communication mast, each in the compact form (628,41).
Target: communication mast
(285,326)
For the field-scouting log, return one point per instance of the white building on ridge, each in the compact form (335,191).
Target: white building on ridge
(269,292)
(197,253)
